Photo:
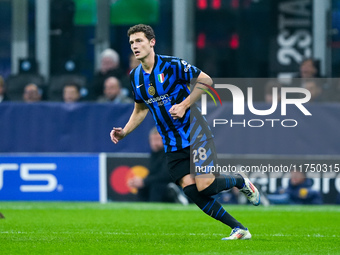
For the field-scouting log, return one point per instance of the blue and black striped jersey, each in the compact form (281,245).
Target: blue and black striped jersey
(164,87)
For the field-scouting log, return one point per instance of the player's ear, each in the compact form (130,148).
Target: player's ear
(152,42)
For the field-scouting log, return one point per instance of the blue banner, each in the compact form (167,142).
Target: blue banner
(60,127)
(293,134)
(85,127)
(49,178)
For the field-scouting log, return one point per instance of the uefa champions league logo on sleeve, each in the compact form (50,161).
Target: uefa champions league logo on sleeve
(296,96)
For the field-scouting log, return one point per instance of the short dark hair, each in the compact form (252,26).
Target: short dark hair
(315,63)
(146,29)
(72,84)
(307,60)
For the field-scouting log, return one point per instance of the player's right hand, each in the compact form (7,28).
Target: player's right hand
(117,134)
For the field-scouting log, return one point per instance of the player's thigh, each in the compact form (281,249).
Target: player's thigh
(204,158)
(179,164)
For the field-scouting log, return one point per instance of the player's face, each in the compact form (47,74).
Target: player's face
(140,45)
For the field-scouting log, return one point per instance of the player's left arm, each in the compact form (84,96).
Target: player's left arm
(177,111)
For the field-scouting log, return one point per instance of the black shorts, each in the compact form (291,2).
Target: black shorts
(189,159)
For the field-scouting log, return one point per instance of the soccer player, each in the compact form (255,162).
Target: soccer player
(160,86)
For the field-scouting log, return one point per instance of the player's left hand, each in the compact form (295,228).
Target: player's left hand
(117,134)
(177,111)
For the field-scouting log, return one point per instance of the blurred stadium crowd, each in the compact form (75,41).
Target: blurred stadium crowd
(221,50)
(111,84)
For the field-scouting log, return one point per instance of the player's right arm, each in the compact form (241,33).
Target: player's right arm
(138,115)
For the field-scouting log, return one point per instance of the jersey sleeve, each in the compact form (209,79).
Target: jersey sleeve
(136,97)
(186,71)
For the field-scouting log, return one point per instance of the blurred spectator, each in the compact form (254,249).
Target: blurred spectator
(113,93)
(309,69)
(309,77)
(71,93)
(157,186)
(32,93)
(315,89)
(109,66)
(299,191)
(268,91)
(3,95)
(109,61)
(125,81)
(58,82)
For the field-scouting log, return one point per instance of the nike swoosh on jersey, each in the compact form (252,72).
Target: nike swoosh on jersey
(138,86)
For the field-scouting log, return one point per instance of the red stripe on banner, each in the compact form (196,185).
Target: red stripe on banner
(235,4)
(234,42)
(201,41)
(202,4)
(216,4)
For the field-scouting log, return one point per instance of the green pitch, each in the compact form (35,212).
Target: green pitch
(140,228)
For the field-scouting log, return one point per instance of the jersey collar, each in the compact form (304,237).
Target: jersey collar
(154,65)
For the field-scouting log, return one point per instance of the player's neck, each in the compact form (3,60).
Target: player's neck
(148,62)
